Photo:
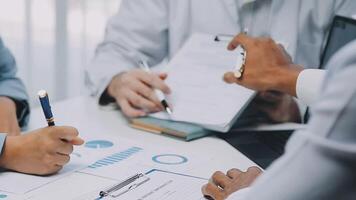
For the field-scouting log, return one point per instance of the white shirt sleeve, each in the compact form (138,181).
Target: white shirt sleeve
(239,195)
(309,85)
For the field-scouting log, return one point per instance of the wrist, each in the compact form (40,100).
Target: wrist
(7,103)
(9,153)
(287,81)
(111,90)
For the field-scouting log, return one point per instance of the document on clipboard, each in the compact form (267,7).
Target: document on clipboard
(199,94)
(154,185)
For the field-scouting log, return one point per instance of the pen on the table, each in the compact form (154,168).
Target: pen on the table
(160,95)
(128,181)
(46,107)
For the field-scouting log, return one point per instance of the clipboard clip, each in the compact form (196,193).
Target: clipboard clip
(223,38)
(126,186)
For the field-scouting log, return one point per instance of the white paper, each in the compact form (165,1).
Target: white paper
(131,157)
(160,186)
(199,94)
(18,183)
(82,156)
(105,157)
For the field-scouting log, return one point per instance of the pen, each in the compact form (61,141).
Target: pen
(159,93)
(46,107)
(120,185)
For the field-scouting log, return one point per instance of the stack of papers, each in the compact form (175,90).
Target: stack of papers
(199,94)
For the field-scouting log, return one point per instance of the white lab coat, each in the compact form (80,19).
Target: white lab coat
(156,29)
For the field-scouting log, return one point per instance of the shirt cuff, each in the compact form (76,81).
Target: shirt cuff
(239,195)
(309,85)
(2,141)
(22,111)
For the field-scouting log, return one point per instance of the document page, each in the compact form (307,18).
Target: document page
(157,185)
(199,94)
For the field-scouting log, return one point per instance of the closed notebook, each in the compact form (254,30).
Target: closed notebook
(185,131)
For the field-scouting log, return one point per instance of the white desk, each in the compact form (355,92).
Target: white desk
(84,114)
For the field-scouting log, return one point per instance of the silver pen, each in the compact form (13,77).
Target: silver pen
(159,93)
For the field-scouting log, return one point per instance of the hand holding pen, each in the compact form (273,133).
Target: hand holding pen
(134,92)
(158,93)
(43,151)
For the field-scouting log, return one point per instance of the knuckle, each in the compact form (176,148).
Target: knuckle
(151,79)
(269,40)
(254,170)
(146,92)
(126,79)
(232,171)
(210,187)
(216,174)
(137,101)
(67,159)
(72,130)
(48,161)
(71,148)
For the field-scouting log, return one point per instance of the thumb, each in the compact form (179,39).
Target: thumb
(66,133)
(77,141)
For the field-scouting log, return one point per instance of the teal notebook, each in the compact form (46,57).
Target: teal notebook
(181,130)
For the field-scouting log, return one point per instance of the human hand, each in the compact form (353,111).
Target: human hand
(134,92)
(220,186)
(268,66)
(8,117)
(41,152)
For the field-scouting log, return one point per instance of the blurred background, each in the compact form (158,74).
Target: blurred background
(53,41)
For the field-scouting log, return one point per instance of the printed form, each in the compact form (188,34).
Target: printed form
(199,94)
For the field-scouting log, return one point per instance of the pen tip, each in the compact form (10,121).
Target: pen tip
(169,111)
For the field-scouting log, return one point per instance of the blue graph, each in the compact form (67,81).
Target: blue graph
(99,144)
(169,159)
(3,196)
(115,158)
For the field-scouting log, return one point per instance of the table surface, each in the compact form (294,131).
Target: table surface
(89,118)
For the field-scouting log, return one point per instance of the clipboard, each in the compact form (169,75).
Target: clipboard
(154,181)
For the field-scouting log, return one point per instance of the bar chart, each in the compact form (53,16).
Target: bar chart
(115,158)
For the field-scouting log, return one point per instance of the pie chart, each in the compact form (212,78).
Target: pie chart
(99,144)
(169,159)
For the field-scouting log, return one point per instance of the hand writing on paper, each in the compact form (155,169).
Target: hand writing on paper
(222,185)
(41,152)
(134,92)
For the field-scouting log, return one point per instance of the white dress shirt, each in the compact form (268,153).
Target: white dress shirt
(308,89)
(320,161)
(309,84)
(156,30)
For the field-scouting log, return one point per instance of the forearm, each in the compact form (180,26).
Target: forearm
(286,81)
(8,117)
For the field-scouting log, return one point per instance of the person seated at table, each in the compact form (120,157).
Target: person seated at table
(41,152)
(319,161)
(155,30)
